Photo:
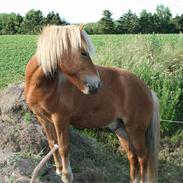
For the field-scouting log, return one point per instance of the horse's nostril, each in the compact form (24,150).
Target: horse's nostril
(99,84)
(93,83)
(93,87)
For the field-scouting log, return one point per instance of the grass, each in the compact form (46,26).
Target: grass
(27,117)
(15,51)
(157,59)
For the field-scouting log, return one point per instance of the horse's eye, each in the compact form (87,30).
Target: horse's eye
(84,54)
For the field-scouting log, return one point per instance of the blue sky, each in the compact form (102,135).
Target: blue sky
(83,11)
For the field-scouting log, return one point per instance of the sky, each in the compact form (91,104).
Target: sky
(84,11)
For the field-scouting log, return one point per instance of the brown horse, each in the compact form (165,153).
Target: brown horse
(59,80)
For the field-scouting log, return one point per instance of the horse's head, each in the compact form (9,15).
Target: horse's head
(69,49)
(77,63)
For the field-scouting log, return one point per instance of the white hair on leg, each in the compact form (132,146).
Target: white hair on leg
(58,172)
(136,180)
(67,177)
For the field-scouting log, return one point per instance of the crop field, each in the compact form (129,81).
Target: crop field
(157,59)
(15,51)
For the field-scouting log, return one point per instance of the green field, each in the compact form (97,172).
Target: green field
(15,51)
(157,59)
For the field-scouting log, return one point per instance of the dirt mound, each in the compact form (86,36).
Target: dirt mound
(19,129)
(23,145)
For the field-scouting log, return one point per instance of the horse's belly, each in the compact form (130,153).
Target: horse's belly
(93,120)
(89,123)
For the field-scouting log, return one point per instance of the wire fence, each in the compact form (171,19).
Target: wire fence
(171,121)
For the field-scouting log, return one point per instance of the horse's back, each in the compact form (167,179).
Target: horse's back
(125,81)
(134,95)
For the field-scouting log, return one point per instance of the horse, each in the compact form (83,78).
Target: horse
(63,87)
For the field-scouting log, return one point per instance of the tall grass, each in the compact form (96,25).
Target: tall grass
(158,60)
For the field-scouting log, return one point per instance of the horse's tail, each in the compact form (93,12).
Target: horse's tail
(152,139)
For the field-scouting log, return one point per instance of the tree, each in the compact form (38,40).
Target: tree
(178,21)
(146,22)
(10,27)
(54,19)
(18,21)
(106,24)
(162,19)
(4,21)
(159,22)
(128,23)
(92,28)
(10,23)
(1,27)
(32,22)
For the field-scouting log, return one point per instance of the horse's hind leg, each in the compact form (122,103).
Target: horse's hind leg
(138,139)
(128,147)
(52,139)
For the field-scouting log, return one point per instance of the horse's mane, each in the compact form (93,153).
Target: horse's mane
(58,40)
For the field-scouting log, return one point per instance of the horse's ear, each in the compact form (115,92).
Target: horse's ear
(81,27)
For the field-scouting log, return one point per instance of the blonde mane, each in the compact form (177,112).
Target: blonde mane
(58,40)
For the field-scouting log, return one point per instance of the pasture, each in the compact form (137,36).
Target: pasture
(157,59)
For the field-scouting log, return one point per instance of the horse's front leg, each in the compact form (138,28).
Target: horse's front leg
(62,130)
(52,139)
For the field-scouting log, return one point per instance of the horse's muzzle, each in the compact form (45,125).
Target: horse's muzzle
(93,83)
(94,88)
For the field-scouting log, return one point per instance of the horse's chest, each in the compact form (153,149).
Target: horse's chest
(35,99)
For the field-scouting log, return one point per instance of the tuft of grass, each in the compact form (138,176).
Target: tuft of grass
(10,179)
(31,155)
(27,117)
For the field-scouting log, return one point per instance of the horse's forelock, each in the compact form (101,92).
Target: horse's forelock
(58,40)
(87,43)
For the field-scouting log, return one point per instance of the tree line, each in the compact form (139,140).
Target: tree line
(161,21)
(31,23)
(129,23)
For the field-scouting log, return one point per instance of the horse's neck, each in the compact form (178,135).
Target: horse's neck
(61,79)
(35,75)
(38,81)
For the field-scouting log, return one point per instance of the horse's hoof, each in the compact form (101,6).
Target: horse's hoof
(67,178)
(58,171)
